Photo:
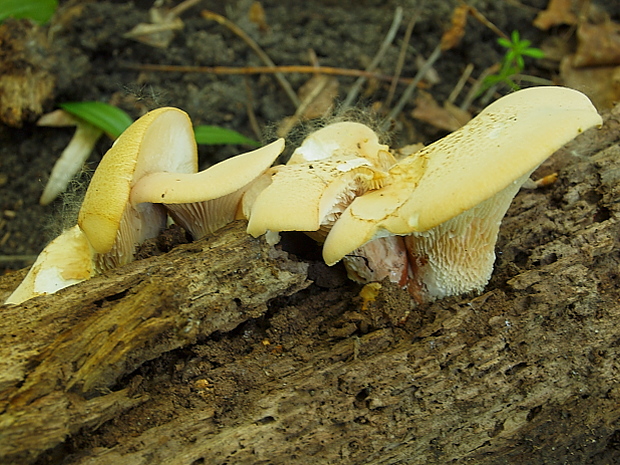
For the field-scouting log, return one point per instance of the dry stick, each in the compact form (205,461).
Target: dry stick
(401,59)
(254,46)
(181,7)
(249,107)
(302,69)
(485,22)
(389,38)
(461,83)
(473,91)
(411,87)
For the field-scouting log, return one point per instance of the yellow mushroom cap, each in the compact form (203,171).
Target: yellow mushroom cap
(161,140)
(501,145)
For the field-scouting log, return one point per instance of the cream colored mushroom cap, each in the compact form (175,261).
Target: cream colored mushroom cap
(216,181)
(507,140)
(161,140)
(345,138)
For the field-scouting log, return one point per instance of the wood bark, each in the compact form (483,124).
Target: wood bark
(525,373)
(61,354)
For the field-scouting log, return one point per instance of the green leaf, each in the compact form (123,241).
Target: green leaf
(504,42)
(214,135)
(112,120)
(534,53)
(38,10)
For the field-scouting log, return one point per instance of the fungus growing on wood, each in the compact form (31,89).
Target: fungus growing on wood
(161,140)
(204,202)
(109,227)
(331,167)
(449,198)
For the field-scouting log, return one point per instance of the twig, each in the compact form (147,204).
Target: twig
(182,7)
(302,69)
(389,38)
(249,107)
(485,22)
(401,59)
(461,83)
(210,15)
(411,87)
(473,92)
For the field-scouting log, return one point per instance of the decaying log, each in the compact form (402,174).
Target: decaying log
(525,373)
(61,354)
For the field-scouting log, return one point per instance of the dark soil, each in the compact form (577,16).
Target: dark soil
(223,373)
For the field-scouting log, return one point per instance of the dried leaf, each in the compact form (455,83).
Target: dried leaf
(600,83)
(317,97)
(448,117)
(258,17)
(453,36)
(598,45)
(557,12)
(160,32)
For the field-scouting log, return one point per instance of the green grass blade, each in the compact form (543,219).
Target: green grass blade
(215,135)
(38,10)
(112,120)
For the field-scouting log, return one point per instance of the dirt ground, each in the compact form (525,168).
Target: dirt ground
(227,374)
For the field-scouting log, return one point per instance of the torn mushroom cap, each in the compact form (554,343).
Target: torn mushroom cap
(161,140)
(331,167)
(345,138)
(65,261)
(493,154)
(204,202)
(304,196)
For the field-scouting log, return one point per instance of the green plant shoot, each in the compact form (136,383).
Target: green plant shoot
(512,63)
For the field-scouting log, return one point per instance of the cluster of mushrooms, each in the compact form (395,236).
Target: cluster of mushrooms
(428,221)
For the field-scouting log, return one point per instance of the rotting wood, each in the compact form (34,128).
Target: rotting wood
(61,354)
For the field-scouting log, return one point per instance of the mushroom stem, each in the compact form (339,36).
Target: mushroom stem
(458,256)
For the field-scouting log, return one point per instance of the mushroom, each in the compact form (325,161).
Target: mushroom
(204,202)
(161,140)
(65,261)
(344,138)
(109,227)
(152,162)
(449,198)
(331,167)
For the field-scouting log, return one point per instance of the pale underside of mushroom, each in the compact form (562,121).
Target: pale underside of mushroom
(67,260)
(306,196)
(206,201)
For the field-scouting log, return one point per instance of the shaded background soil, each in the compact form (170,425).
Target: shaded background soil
(227,374)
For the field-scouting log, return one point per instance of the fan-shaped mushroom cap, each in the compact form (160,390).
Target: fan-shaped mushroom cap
(343,139)
(65,261)
(204,202)
(494,153)
(161,140)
